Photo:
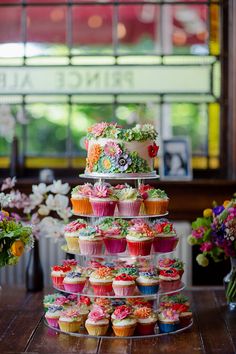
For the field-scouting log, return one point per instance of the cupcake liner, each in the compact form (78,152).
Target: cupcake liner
(102,289)
(74,288)
(144,329)
(103,208)
(148,289)
(89,248)
(124,331)
(58,282)
(155,207)
(72,243)
(165,244)
(139,248)
(185,320)
(69,326)
(115,245)
(81,206)
(96,330)
(129,208)
(170,285)
(127,290)
(168,327)
(53,322)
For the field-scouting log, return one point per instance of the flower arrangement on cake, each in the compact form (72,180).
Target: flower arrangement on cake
(215,234)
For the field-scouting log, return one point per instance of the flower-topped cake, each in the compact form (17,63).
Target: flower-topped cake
(111,149)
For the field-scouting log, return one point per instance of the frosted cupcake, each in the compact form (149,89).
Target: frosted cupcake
(174,302)
(123,285)
(103,200)
(80,199)
(129,270)
(139,239)
(129,201)
(58,274)
(147,320)
(71,263)
(169,279)
(166,238)
(104,303)
(123,322)
(101,281)
(156,202)
(52,315)
(168,321)
(148,282)
(97,322)
(90,241)
(74,282)
(114,232)
(63,301)
(175,263)
(70,321)
(71,233)
(49,300)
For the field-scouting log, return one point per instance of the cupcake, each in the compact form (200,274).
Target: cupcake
(114,232)
(101,281)
(185,318)
(71,263)
(179,266)
(166,239)
(90,241)
(156,202)
(148,282)
(70,321)
(103,200)
(168,321)
(136,303)
(49,300)
(123,322)
(80,199)
(58,274)
(71,232)
(74,282)
(52,315)
(169,279)
(139,238)
(146,321)
(174,301)
(175,263)
(129,201)
(123,285)
(63,301)
(97,322)
(104,303)
(129,270)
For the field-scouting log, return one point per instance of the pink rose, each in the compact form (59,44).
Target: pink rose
(97,313)
(199,232)
(122,312)
(206,247)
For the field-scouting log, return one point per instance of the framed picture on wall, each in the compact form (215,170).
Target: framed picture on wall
(176,159)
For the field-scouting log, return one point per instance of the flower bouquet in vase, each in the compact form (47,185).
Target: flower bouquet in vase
(215,234)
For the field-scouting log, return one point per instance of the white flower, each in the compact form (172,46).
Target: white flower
(8,183)
(43,210)
(51,227)
(58,187)
(5,200)
(35,199)
(7,123)
(41,188)
(64,214)
(58,202)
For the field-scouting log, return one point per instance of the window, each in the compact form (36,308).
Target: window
(176,42)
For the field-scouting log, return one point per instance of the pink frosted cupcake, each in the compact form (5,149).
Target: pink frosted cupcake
(80,199)
(140,238)
(166,239)
(123,285)
(71,233)
(74,282)
(58,273)
(129,201)
(101,281)
(103,200)
(97,322)
(90,241)
(53,314)
(114,232)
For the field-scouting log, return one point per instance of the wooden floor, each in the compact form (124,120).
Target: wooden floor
(22,329)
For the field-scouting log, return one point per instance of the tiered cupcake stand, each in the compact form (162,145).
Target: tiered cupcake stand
(150,259)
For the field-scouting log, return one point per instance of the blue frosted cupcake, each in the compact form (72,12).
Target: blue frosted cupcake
(148,282)
(168,321)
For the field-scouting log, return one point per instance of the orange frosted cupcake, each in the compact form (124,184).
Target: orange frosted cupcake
(80,199)
(156,201)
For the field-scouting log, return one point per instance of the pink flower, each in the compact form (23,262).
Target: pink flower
(120,186)
(97,313)
(199,232)
(122,312)
(112,149)
(170,314)
(98,129)
(101,191)
(206,247)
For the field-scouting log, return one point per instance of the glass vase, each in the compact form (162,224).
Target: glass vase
(230,285)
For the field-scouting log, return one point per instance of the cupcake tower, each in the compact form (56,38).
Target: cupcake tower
(122,242)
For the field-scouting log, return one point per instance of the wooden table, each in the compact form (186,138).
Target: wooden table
(22,329)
